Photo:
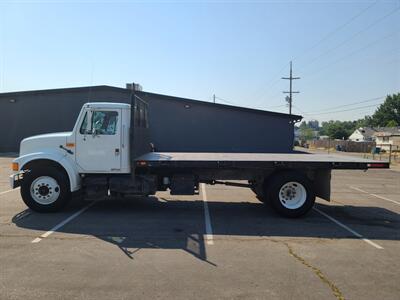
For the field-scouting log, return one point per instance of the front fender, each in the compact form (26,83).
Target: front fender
(62,159)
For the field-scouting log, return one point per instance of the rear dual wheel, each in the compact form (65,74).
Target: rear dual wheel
(290,193)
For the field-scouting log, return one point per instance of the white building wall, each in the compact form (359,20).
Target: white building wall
(356,136)
(384,143)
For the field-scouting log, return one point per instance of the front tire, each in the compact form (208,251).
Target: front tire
(291,194)
(45,189)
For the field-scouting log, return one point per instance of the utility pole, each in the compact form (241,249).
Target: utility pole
(290,92)
(214,98)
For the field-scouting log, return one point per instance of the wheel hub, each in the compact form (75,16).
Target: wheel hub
(292,195)
(45,190)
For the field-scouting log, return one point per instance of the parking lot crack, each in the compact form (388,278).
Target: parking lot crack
(335,290)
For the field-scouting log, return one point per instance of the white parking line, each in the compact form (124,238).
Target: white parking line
(209,234)
(59,225)
(348,229)
(1,193)
(377,196)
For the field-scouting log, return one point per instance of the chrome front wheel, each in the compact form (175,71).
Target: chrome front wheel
(45,190)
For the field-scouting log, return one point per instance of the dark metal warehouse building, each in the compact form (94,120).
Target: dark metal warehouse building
(176,124)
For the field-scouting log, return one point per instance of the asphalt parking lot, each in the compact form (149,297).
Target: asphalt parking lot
(222,243)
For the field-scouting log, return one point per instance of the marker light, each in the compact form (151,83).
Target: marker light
(15,166)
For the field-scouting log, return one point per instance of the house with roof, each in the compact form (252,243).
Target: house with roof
(363,134)
(388,138)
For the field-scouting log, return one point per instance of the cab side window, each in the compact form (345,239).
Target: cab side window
(104,122)
(83,129)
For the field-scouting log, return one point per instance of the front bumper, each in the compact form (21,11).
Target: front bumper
(15,179)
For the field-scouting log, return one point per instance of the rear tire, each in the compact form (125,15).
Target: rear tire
(45,189)
(290,193)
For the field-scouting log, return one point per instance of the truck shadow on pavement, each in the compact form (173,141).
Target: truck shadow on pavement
(154,223)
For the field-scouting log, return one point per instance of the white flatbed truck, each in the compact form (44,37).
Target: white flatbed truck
(109,154)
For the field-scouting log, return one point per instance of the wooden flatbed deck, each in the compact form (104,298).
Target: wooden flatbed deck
(239,160)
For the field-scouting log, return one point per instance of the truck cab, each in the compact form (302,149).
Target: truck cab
(101,138)
(98,144)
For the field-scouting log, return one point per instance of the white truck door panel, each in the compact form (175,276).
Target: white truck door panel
(98,141)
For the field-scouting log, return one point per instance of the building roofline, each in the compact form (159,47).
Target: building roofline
(240,108)
(70,89)
(385,133)
(127,91)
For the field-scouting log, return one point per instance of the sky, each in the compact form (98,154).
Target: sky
(346,53)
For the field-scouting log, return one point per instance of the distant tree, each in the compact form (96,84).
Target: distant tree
(388,111)
(303,125)
(364,122)
(322,130)
(306,134)
(337,129)
(386,115)
(314,124)
(392,123)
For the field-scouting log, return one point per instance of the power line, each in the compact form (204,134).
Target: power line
(273,81)
(223,100)
(327,36)
(274,96)
(299,109)
(349,104)
(352,53)
(337,111)
(331,33)
(276,106)
(354,35)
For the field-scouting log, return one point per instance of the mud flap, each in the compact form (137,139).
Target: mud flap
(322,184)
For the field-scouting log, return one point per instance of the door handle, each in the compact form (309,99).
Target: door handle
(116,151)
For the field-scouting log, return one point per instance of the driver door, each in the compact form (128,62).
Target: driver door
(98,141)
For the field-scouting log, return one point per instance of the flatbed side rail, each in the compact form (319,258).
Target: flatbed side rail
(260,164)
